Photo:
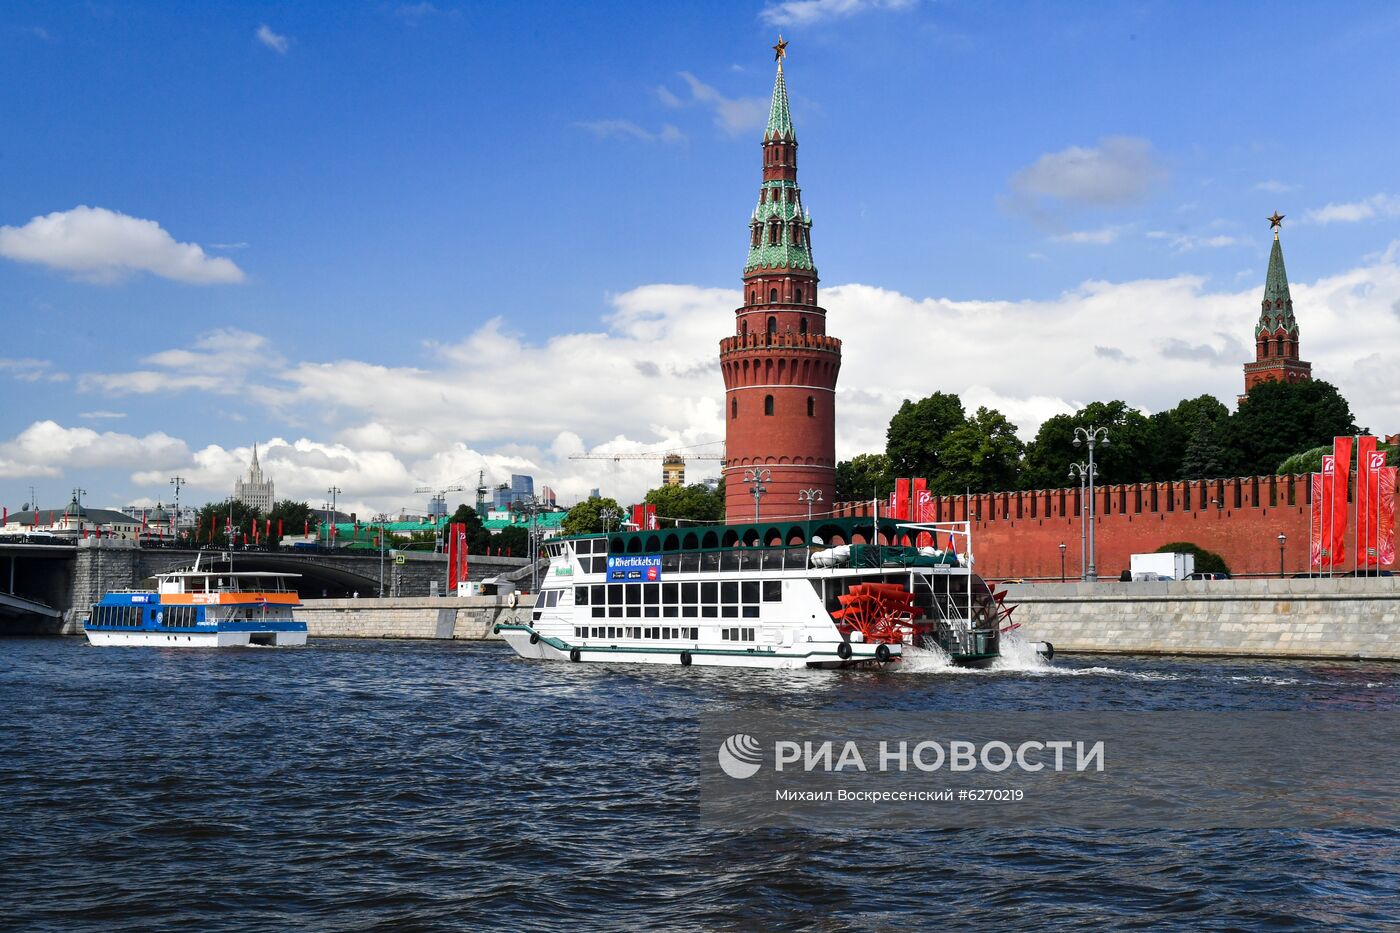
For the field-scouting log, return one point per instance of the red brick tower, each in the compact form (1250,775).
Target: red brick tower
(780,367)
(1276,334)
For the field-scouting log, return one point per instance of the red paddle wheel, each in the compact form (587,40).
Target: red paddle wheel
(881,612)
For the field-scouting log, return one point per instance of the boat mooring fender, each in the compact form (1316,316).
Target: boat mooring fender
(574,655)
(534,638)
(843,650)
(882,653)
(685,659)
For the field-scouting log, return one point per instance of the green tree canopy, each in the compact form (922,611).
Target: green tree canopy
(695,503)
(1203,458)
(1278,419)
(1177,427)
(981,454)
(513,540)
(585,518)
(1129,457)
(916,433)
(478,538)
(1310,461)
(294,516)
(1206,561)
(863,477)
(243,516)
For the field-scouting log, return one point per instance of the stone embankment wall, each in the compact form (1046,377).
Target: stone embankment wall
(413,617)
(1306,618)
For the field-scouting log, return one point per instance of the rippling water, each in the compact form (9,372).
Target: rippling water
(364,785)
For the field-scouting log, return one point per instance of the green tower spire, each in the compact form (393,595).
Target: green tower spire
(1277,308)
(779,114)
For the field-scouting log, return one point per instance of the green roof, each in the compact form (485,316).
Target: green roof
(705,537)
(1277,310)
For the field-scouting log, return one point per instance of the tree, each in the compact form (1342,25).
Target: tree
(513,539)
(1175,429)
(295,517)
(1206,561)
(917,430)
(1310,461)
(863,477)
(216,515)
(1204,458)
(478,538)
(982,454)
(1127,458)
(585,518)
(695,503)
(1279,419)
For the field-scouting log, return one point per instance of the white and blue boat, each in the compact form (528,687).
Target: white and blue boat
(200,609)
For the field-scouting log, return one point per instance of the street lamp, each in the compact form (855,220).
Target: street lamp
(756,478)
(1091,436)
(531,506)
(1081,470)
(608,515)
(177,482)
(809,496)
(330,519)
(1062,562)
(1282,540)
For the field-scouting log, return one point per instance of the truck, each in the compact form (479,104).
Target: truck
(1162,566)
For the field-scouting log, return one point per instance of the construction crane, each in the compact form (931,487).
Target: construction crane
(672,463)
(438,503)
(481,491)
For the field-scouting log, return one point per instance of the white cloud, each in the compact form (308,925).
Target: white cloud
(1100,237)
(1185,242)
(105,246)
(46,448)
(102,415)
(1274,186)
(227,361)
(1119,170)
(807,12)
(1377,205)
(608,129)
(732,114)
(278,43)
(648,380)
(32,370)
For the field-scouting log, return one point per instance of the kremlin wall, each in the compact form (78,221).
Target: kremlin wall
(780,369)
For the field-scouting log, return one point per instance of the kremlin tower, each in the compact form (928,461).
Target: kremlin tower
(1276,334)
(780,366)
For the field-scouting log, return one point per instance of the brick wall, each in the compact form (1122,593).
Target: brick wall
(1017,534)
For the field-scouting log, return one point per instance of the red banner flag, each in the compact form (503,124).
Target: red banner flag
(899,508)
(1385,519)
(1319,549)
(1341,453)
(639,517)
(1366,479)
(456,541)
(279,527)
(306,527)
(923,511)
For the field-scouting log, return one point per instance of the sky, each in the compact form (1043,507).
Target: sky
(394,244)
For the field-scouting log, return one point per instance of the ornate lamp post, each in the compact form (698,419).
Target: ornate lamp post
(810,496)
(608,515)
(1282,540)
(1081,470)
(1062,562)
(1091,436)
(177,482)
(330,518)
(756,478)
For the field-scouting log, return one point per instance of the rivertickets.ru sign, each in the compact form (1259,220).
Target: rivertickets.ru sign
(641,568)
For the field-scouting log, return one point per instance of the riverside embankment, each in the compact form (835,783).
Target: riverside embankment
(1339,617)
(469,617)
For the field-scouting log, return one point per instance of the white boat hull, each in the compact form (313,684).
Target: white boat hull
(195,639)
(803,655)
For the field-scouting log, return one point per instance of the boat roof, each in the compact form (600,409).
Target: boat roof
(262,574)
(778,533)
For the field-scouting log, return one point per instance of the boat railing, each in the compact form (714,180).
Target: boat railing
(134,589)
(736,559)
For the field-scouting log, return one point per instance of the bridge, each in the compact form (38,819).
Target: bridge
(48,588)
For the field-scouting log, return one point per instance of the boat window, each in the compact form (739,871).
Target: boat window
(751,612)
(709,612)
(729,612)
(634,594)
(669,611)
(615,594)
(689,612)
(690,592)
(750,591)
(772,591)
(729,591)
(668,593)
(709,592)
(580,596)
(651,593)
(599,612)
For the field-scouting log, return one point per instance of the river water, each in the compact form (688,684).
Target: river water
(396,785)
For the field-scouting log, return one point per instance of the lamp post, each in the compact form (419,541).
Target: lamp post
(1091,436)
(330,530)
(177,482)
(1282,540)
(1062,562)
(809,496)
(529,505)
(756,478)
(608,515)
(1081,470)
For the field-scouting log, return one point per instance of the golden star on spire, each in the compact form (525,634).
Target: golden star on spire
(780,50)
(1276,220)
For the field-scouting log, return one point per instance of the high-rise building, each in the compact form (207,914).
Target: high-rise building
(520,487)
(1276,335)
(673,470)
(780,367)
(255,491)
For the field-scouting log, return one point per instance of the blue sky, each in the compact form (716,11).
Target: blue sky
(438,236)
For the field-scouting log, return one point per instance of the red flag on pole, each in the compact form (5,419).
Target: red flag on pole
(1366,477)
(279,527)
(899,507)
(1385,518)
(1341,452)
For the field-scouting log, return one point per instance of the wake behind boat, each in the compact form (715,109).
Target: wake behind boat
(201,609)
(766,596)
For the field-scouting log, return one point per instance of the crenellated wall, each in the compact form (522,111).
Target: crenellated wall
(1017,534)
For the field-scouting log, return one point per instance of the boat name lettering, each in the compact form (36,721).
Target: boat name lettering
(643,567)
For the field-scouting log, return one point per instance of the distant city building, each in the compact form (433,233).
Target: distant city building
(1276,337)
(255,492)
(595,493)
(673,470)
(74,521)
(547,496)
(157,521)
(507,494)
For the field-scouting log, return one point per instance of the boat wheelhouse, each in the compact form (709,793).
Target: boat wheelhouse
(201,609)
(833,593)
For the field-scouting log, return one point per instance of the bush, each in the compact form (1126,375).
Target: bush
(1206,561)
